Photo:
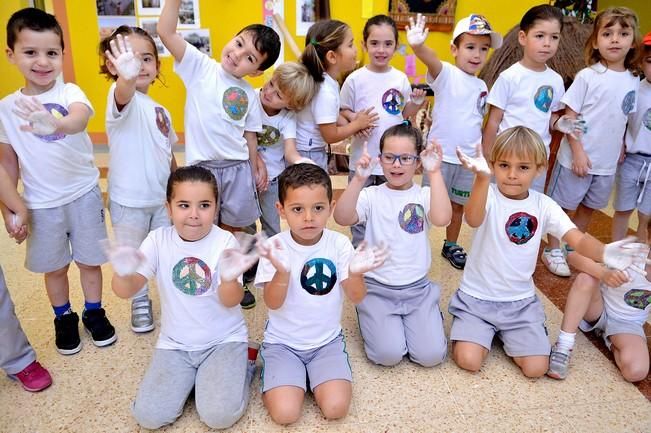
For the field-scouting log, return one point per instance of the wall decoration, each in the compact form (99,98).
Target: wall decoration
(149,25)
(439,14)
(200,38)
(108,24)
(150,7)
(305,16)
(115,7)
(269,9)
(189,14)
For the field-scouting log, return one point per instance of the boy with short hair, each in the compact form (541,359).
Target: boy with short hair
(305,271)
(59,176)
(458,111)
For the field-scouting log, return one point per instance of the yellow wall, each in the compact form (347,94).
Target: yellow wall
(224,19)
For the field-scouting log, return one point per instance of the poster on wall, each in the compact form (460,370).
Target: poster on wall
(150,7)
(108,24)
(305,16)
(200,38)
(115,7)
(148,24)
(269,8)
(189,14)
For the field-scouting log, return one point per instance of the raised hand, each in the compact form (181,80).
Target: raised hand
(416,33)
(367,258)
(275,253)
(124,258)
(40,120)
(418,96)
(574,127)
(126,62)
(477,165)
(365,164)
(432,156)
(234,261)
(627,255)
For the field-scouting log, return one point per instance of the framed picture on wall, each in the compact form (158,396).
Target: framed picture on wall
(150,7)
(305,16)
(439,14)
(108,24)
(115,7)
(189,14)
(148,24)
(200,38)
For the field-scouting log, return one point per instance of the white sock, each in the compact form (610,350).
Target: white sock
(565,341)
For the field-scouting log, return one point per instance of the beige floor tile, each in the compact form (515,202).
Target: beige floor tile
(521,421)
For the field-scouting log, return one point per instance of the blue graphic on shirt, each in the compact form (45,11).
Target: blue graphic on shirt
(638,298)
(235,102)
(318,276)
(192,276)
(628,103)
(162,121)
(646,119)
(481,102)
(521,227)
(268,137)
(393,102)
(543,98)
(58,111)
(412,218)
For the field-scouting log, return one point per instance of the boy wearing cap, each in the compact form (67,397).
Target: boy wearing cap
(458,112)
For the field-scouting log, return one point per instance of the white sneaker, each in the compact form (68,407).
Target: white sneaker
(555,262)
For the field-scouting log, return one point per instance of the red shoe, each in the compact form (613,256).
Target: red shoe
(253,351)
(34,377)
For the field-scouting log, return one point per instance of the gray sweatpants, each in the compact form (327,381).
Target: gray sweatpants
(15,351)
(396,320)
(221,377)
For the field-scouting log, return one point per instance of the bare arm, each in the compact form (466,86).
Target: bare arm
(291,154)
(428,56)
(166,28)
(76,120)
(354,287)
(495,116)
(9,164)
(333,133)
(230,293)
(345,212)
(275,291)
(127,286)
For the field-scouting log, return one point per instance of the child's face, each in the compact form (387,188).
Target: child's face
(306,210)
(272,97)
(471,53)
(39,57)
(613,43)
(240,57)
(399,174)
(540,43)
(192,209)
(646,64)
(345,57)
(514,175)
(380,45)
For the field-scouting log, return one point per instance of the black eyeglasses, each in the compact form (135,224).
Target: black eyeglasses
(405,158)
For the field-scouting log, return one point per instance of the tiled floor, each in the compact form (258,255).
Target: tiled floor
(93,390)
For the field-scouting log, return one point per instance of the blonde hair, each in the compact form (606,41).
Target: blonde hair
(295,82)
(522,142)
(626,18)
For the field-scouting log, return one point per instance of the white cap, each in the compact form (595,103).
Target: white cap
(475,24)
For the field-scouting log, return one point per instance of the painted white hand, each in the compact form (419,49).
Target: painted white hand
(416,32)
(367,258)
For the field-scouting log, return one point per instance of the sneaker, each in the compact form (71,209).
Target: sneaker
(33,378)
(554,261)
(142,318)
(559,363)
(99,327)
(66,329)
(455,255)
(248,301)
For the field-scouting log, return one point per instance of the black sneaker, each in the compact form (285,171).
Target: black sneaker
(99,327)
(66,329)
(248,301)
(455,255)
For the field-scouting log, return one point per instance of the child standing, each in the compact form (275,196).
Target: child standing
(458,111)
(614,304)
(400,313)
(497,294)
(140,138)
(382,87)
(17,357)
(633,173)
(305,273)
(604,94)
(329,52)
(203,338)
(42,130)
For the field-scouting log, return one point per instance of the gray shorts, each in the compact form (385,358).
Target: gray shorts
(319,156)
(61,234)
(284,366)
(269,218)
(519,324)
(132,224)
(458,181)
(607,325)
(632,184)
(570,190)
(399,320)
(238,200)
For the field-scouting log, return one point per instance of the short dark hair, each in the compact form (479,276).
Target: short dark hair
(298,175)
(404,129)
(266,41)
(32,19)
(542,12)
(191,173)
(378,20)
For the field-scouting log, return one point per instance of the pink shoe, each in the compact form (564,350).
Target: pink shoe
(34,377)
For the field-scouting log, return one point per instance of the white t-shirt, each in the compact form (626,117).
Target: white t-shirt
(56,169)
(528,98)
(638,132)
(218,109)
(505,246)
(387,92)
(605,98)
(271,141)
(629,301)
(311,314)
(458,111)
(140,139)
(192,317)
(323,109)
(399,218)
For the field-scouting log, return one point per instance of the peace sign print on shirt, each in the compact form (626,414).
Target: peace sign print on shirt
(521,227)
(318,276)
(192,276)
(269,136)
(58,111)
(393,102)
(543,98)
(638,298)
(628,102)
(235,102)
(162,121)
(412,218)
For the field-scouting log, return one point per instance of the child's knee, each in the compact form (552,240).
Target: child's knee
(335,407)
(219,417)
(429,356)
(285,413)
(388,355)
(535,367)
(151,418)
(634,373)
(467,359)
